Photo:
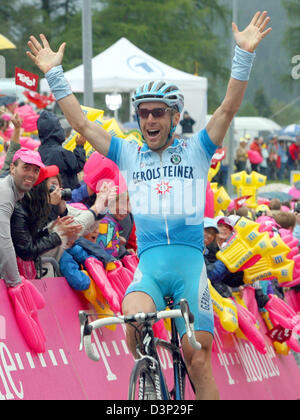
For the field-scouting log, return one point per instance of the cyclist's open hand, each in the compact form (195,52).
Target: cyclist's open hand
(255,32)
(42,55)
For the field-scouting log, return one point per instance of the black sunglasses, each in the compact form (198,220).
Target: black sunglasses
(156,112)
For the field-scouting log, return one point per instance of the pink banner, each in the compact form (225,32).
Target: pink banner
(63,372)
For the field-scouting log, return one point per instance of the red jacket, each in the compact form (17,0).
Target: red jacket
(294,150)
(256,147)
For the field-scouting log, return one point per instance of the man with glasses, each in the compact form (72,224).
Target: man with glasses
(166,180)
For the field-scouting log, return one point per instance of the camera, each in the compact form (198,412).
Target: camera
(66,193)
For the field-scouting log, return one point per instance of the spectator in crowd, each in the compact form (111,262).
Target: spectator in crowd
(255,146)
(275,204)
(297,226)
(14,144)
(225,226)
(273,158)
(241,155)
(293,156)
(30,236)
(187,124)
(24,172)
(34,236)
(264,169)
(217,272)
(283,156)
(286,220)
(104,242)
(52,136)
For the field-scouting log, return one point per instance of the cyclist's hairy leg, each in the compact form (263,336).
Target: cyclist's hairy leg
(198,363)
(135,302)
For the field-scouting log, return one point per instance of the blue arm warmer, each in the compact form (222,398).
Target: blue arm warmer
(242,64)
(57,83)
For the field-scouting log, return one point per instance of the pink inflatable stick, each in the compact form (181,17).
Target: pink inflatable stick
(247,324)
(281,313)
(26,299)
(96,270)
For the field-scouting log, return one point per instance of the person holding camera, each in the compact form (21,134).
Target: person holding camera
(43,224)
(52,136)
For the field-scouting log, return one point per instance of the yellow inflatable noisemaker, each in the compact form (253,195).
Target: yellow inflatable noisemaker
(248,185)
(225,309)
(275,265)
(221,200)
(111,126)
(247,243)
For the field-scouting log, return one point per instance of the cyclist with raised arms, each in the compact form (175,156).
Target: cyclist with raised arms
(166,180)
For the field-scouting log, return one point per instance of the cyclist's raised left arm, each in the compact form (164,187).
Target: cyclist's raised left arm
(247,42)
(49,62)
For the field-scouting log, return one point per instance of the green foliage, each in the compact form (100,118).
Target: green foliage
(248,110)
(178,32)
(285,115)
(261,103)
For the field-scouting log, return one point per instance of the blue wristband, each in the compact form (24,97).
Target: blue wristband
(242,64)
(57,83)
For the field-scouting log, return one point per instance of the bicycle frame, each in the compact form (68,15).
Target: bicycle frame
(149,351)
(149,363)
(149,354)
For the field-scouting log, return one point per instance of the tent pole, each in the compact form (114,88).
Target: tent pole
(87,52)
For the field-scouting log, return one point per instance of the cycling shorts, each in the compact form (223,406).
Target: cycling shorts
(178,271)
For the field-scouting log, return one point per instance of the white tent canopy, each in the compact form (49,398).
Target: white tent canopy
(123,67)
(254,126)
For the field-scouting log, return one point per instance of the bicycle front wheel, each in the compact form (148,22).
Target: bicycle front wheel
(144,385)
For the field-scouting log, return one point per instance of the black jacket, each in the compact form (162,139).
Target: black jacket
(28,243)
(52,136)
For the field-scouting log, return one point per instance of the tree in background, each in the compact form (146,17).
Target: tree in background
(292,41)
(261,103)
(19,19)
(178,32)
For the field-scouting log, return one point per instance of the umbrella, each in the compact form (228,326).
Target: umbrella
(285,137)
(282,196)
(292,130)
(6,100)
(5,43)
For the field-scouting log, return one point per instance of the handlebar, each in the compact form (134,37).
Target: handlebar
(86,329)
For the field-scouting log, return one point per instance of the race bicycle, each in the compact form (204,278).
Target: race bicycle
(147,380)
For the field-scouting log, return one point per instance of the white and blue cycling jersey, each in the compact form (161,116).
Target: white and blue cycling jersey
(167,190)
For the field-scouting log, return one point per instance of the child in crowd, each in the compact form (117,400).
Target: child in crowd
(106,242)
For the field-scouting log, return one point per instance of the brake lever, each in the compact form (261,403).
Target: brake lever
(189,322)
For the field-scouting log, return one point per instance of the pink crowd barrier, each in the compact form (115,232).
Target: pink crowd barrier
(65,373)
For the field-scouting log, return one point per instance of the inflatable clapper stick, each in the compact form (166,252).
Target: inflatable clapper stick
(247,244)
(225,309)
(95,297)
(275,265)
(97,272)
(26,300)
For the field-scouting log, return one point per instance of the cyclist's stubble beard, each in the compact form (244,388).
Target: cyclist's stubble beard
(166,139)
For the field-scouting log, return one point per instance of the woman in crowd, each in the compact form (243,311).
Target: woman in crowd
(32,234)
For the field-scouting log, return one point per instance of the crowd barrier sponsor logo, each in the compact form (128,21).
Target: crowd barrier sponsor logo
(11,362)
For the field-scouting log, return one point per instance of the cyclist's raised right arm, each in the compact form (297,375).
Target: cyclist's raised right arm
(49,61)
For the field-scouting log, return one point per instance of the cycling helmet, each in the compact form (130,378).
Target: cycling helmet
(159,91)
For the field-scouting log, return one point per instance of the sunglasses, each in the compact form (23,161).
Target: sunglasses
(155,112)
